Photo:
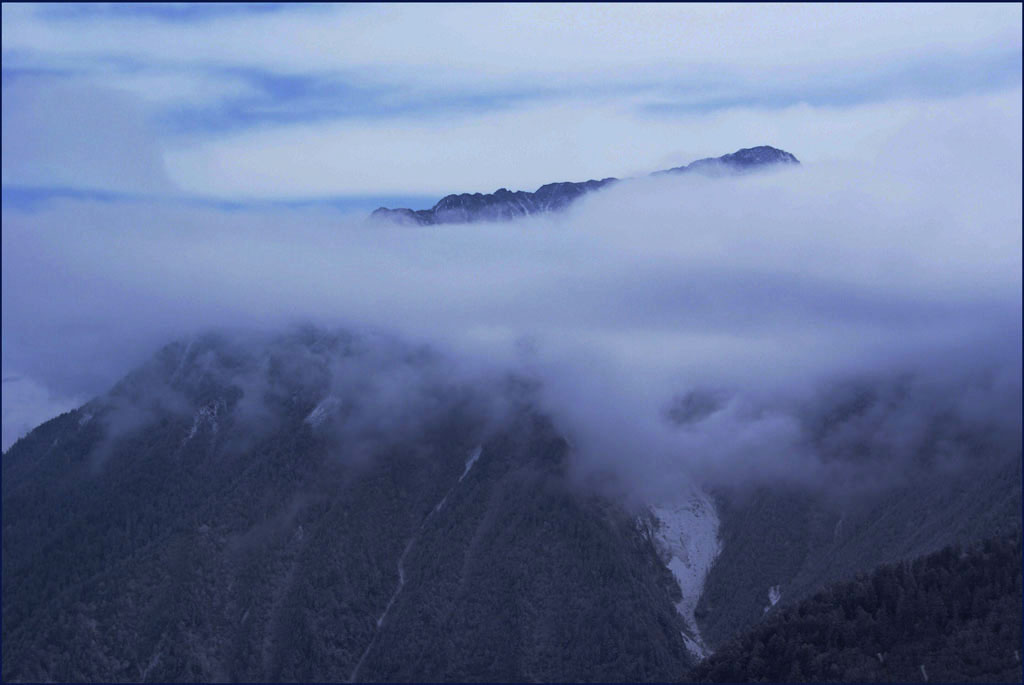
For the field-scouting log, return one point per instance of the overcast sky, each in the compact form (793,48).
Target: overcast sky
(168,168)
(291,101)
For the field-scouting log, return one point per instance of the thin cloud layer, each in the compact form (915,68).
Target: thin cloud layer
(513,42)
(69,135)
(297,102)
(774,327)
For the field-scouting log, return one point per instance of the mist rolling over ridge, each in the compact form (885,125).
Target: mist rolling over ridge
(767,288)
(540,343)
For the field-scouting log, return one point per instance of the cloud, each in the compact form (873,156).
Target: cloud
(514,42)
(164,11)
(26,404)
(554,141)
(833,310)
(69,135)
(75,136)
(275,102)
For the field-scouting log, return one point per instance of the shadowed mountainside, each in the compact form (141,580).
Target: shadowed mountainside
(323,506)
(952,616)
(242,512)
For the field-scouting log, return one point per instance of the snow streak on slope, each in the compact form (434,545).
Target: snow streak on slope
(688,536)
(774,595)
(322,410)
(401,582)
(473,456)
(205,415)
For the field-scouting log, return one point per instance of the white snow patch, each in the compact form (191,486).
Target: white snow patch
(473,456)
(207,415)
(697,649)
(320,411)
(774,595)
(687,534)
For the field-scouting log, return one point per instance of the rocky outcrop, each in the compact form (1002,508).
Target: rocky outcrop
(503,204)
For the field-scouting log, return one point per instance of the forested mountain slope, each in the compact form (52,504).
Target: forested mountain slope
(952,616)
(803,540)
(273,511)
(327,506)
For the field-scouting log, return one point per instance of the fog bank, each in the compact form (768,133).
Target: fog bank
(762,328)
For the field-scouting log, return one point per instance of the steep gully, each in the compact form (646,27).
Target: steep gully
(473,456)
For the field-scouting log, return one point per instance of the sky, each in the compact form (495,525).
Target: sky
(289,102)
(171,168)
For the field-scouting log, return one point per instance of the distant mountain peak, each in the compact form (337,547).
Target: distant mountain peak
(504,204)
(747,159)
